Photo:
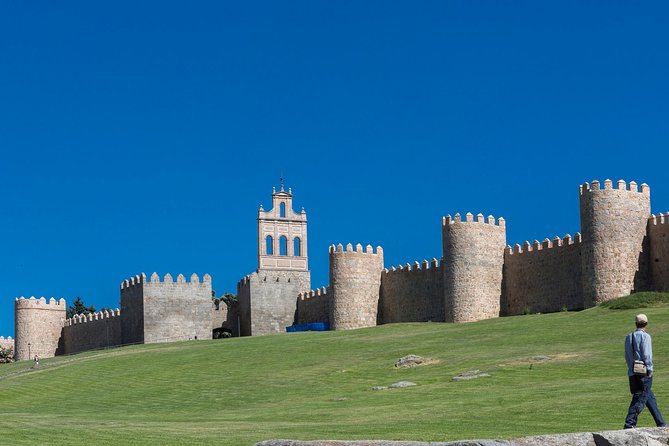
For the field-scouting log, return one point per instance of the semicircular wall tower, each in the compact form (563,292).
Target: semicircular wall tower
(614,225)
(355,280)
(37,327)
(473,263)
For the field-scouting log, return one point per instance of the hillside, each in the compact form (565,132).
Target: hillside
(561,372)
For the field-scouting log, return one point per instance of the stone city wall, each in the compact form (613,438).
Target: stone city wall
(92,331)
(313,306)
(472,265)
(412,294)
(132,309)
(658,234)
(269,306)
(355,281)
(37,327)
(177,310)
(543,277)
(244,299)
(614,223)
(226,317)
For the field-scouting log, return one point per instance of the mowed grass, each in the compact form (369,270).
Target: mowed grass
(317,385)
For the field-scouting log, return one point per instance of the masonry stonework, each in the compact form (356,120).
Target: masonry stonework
(412,293)
(314,306)
(37,326)
(622,248)
(177,310)
(152,311)
(614,225)
(355,280)
(92,331)
(473,261)
(658,233)
(268,297)
(543,277)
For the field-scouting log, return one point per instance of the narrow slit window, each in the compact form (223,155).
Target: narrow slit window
(297,247)
(282,210)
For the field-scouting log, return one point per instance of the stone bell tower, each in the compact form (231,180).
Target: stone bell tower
(268,297)
(282,235)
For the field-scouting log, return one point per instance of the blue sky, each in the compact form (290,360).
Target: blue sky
(143,136)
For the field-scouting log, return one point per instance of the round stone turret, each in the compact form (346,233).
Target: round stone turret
(614,227)
(38,325)
(473,261)
(355,280)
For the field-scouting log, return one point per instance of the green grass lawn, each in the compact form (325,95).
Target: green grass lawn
(316,385)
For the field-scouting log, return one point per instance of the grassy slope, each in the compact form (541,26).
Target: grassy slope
(315,385)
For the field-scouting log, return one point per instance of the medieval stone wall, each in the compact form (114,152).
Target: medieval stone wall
(543,277)
(132,309)
(658,234)
(313,306)
(355,281)
(92,331)
(615,248)
(244,306)
(37,327)
(472,264)
(269,305)
(177,310)
(412,294)
(226,317)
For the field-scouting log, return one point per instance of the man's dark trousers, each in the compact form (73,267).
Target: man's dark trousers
(642,396)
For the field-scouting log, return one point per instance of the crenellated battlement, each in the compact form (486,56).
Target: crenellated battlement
(318,292)
(92,317)
(659,219)
(416,266)
(556,242)
(469,218)
(37,326)
(244,281)
(7,342)
(135,281)
(41,303)
(140,280)
(358,249)
(621,185)
(614,224)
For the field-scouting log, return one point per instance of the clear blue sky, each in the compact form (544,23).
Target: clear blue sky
(143,136)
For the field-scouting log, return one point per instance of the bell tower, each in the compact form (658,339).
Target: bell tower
(282,235)
(268,296)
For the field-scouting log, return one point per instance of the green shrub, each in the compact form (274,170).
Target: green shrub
(644,299)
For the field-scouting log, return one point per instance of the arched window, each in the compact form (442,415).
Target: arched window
(269,245)
(282,210)
(283,246)
(297,247)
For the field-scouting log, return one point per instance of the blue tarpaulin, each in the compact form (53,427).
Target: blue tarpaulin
(313,326)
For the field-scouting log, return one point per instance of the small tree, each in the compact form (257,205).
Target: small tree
(229,299)
(79,307)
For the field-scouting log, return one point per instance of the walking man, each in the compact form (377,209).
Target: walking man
(638,347)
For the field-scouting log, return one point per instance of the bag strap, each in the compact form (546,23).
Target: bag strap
(634,350)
